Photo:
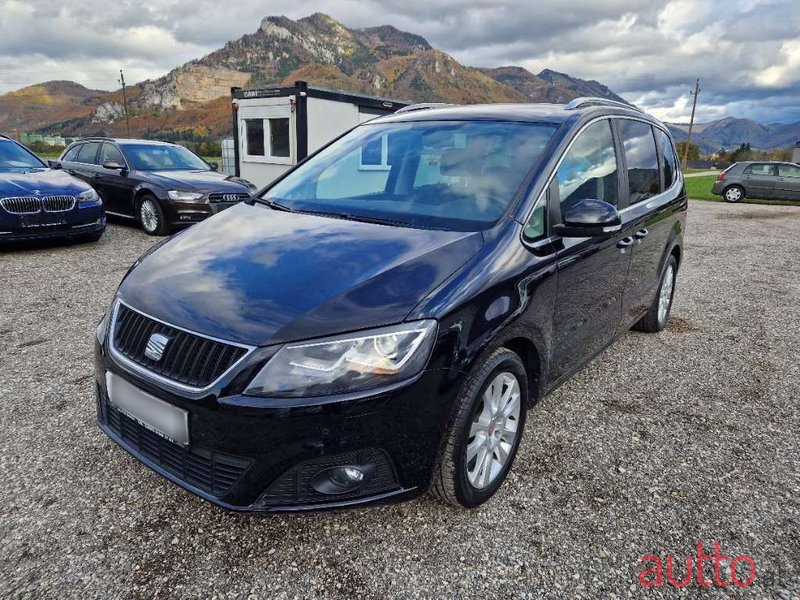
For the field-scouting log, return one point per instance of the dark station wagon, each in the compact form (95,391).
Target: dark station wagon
(162,185)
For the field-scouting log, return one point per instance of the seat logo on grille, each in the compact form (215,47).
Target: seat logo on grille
(156,346)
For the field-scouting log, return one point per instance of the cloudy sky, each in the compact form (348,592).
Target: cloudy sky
(746,52)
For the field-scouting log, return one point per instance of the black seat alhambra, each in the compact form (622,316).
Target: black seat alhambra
(361,334)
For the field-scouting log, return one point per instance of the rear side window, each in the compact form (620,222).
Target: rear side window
(589,168)
(88,153)
(641,158)
(789,171)
(111,153)
(72,153)
(763,170)
(668,161)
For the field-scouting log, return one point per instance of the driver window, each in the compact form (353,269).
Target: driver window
(589,169)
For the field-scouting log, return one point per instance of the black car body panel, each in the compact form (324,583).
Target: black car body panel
(272,256)
(267,278)
(52,208)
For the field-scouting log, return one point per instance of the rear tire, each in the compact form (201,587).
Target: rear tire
(657,316)
(151,216)
(733,193)
(484,437)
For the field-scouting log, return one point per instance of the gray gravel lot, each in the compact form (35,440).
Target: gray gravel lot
(662,441)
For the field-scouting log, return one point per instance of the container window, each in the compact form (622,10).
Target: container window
(255,137)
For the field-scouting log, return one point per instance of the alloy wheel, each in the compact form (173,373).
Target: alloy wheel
(149,215)
(494,430)
(665,296)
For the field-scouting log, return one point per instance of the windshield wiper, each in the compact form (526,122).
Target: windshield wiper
(272,204)
(355,217)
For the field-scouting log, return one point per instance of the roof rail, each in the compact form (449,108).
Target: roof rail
(422,106)
(595,101)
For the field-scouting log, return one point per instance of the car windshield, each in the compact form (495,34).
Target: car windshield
(16,159)
(453,175)
(167,157)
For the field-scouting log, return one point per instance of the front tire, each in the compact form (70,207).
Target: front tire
(733,193)
(485,435)
(657,316)
(151,216)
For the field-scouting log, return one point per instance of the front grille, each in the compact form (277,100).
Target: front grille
(30,205)
(223,197)
(212,472)
(58,203)
(27,205)
(187,358)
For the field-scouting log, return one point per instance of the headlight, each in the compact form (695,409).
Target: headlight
(184,196)
(347,363)
(88,197)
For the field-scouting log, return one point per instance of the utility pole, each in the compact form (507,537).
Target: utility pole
(691,123)
(125,103)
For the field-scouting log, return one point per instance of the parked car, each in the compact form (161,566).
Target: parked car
(354,336)
(161,184)
(758,179)
(38,202)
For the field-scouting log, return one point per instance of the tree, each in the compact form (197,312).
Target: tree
(743,152)
(694,150)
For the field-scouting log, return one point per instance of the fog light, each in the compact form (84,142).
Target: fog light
(339,480)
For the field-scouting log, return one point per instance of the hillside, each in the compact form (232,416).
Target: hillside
(730,133)
(549,86)
(192,101)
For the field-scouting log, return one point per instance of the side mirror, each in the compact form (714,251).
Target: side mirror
(54,164)
(113,165)
(589,218)
(214,166)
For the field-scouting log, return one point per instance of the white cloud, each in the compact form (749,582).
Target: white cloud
(746,52)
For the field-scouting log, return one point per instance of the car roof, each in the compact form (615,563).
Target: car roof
(124,141)
(532,113)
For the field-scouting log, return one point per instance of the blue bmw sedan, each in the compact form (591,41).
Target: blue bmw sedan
(39,202)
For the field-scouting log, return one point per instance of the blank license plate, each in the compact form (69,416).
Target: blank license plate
(41,221)
(162,418)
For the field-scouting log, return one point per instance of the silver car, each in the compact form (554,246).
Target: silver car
(754,179)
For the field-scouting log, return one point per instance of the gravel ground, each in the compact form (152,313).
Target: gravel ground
(662,441)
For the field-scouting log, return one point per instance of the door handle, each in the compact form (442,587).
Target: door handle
(641,234)
(625,242)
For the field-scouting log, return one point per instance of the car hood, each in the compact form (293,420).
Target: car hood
(46,182)
(259,276)
(202,181)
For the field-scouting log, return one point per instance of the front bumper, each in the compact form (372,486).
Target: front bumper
(187,213)
(250,454)
(73,224)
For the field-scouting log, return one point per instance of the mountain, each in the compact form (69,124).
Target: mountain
(730,133)
(549,86)
(192,101)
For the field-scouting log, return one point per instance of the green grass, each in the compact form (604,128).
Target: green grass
(699,188)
